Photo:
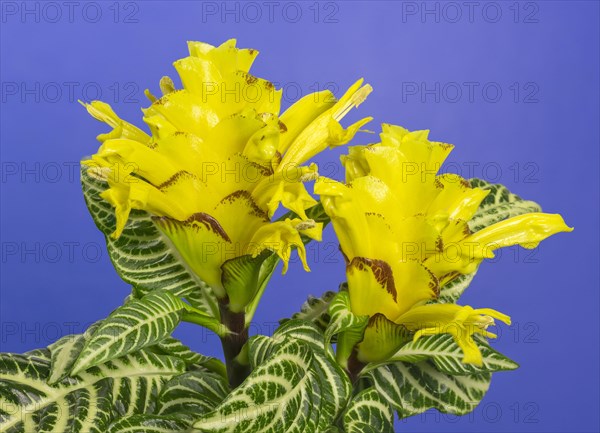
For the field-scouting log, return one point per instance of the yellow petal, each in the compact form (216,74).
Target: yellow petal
(279,237)
(527,230)
(326,131)
(458,321)
(122,129)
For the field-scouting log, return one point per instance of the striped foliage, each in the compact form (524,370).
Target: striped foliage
(296,386)
(173,347)
(499,205)
(453,290)
(345,326)
(65,352)
(315,310)
(143,256)
(192,394)
(447,356)
(87,402)
(368,412)
(414,388)
(137,324)
(148,424)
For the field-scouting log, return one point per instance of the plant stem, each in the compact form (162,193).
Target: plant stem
(233,343)
(354,366)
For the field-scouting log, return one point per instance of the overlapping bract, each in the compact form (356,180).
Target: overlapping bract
(220,160)
(404,232)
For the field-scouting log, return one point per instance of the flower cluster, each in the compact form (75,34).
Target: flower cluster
(220,160)
(396,218)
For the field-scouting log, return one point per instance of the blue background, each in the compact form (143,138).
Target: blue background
(541,141)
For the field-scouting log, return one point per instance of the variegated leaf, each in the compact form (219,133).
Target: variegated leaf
(447,355)
(65,352)
(172,346)
(297,387)
(137,324)
(260,348)
(348,327)
(369,412)
(499,205)
(143,256)
(414,388)
(453,290)
(315,310)
(84,403)
(192,394)
(148,424)
(336,387)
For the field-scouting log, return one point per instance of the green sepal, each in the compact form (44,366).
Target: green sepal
(382,338)
(243,278)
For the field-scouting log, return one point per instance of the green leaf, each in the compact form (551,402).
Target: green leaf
(260,348)
(453,290)
(414,388)
(344,322)
(301,330)
(135,325)
(499,205)
(192,394)
(277,395)
(369,412)
(336,386)
(65,352)
(296,387)
(447,355)
(315,310)
(84,403)
(148,424)
(43,353)
(143,256)
(174,347)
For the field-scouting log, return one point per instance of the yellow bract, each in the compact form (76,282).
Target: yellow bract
(404,232)
(220,159)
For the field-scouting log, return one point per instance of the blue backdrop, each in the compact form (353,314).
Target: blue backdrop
(514,85)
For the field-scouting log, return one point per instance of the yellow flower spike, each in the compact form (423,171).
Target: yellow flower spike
(212,175)
(404,230)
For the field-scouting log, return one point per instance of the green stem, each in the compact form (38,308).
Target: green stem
(354,366)
(233,344)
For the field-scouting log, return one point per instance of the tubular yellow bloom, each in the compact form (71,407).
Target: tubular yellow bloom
(220,160)
(403,229)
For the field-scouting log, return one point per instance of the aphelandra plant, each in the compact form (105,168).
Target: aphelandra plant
(189,213)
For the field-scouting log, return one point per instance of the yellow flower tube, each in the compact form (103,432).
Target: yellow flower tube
(396,219)
(220,160)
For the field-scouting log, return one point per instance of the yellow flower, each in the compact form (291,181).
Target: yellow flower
(403,230)
(220,160)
